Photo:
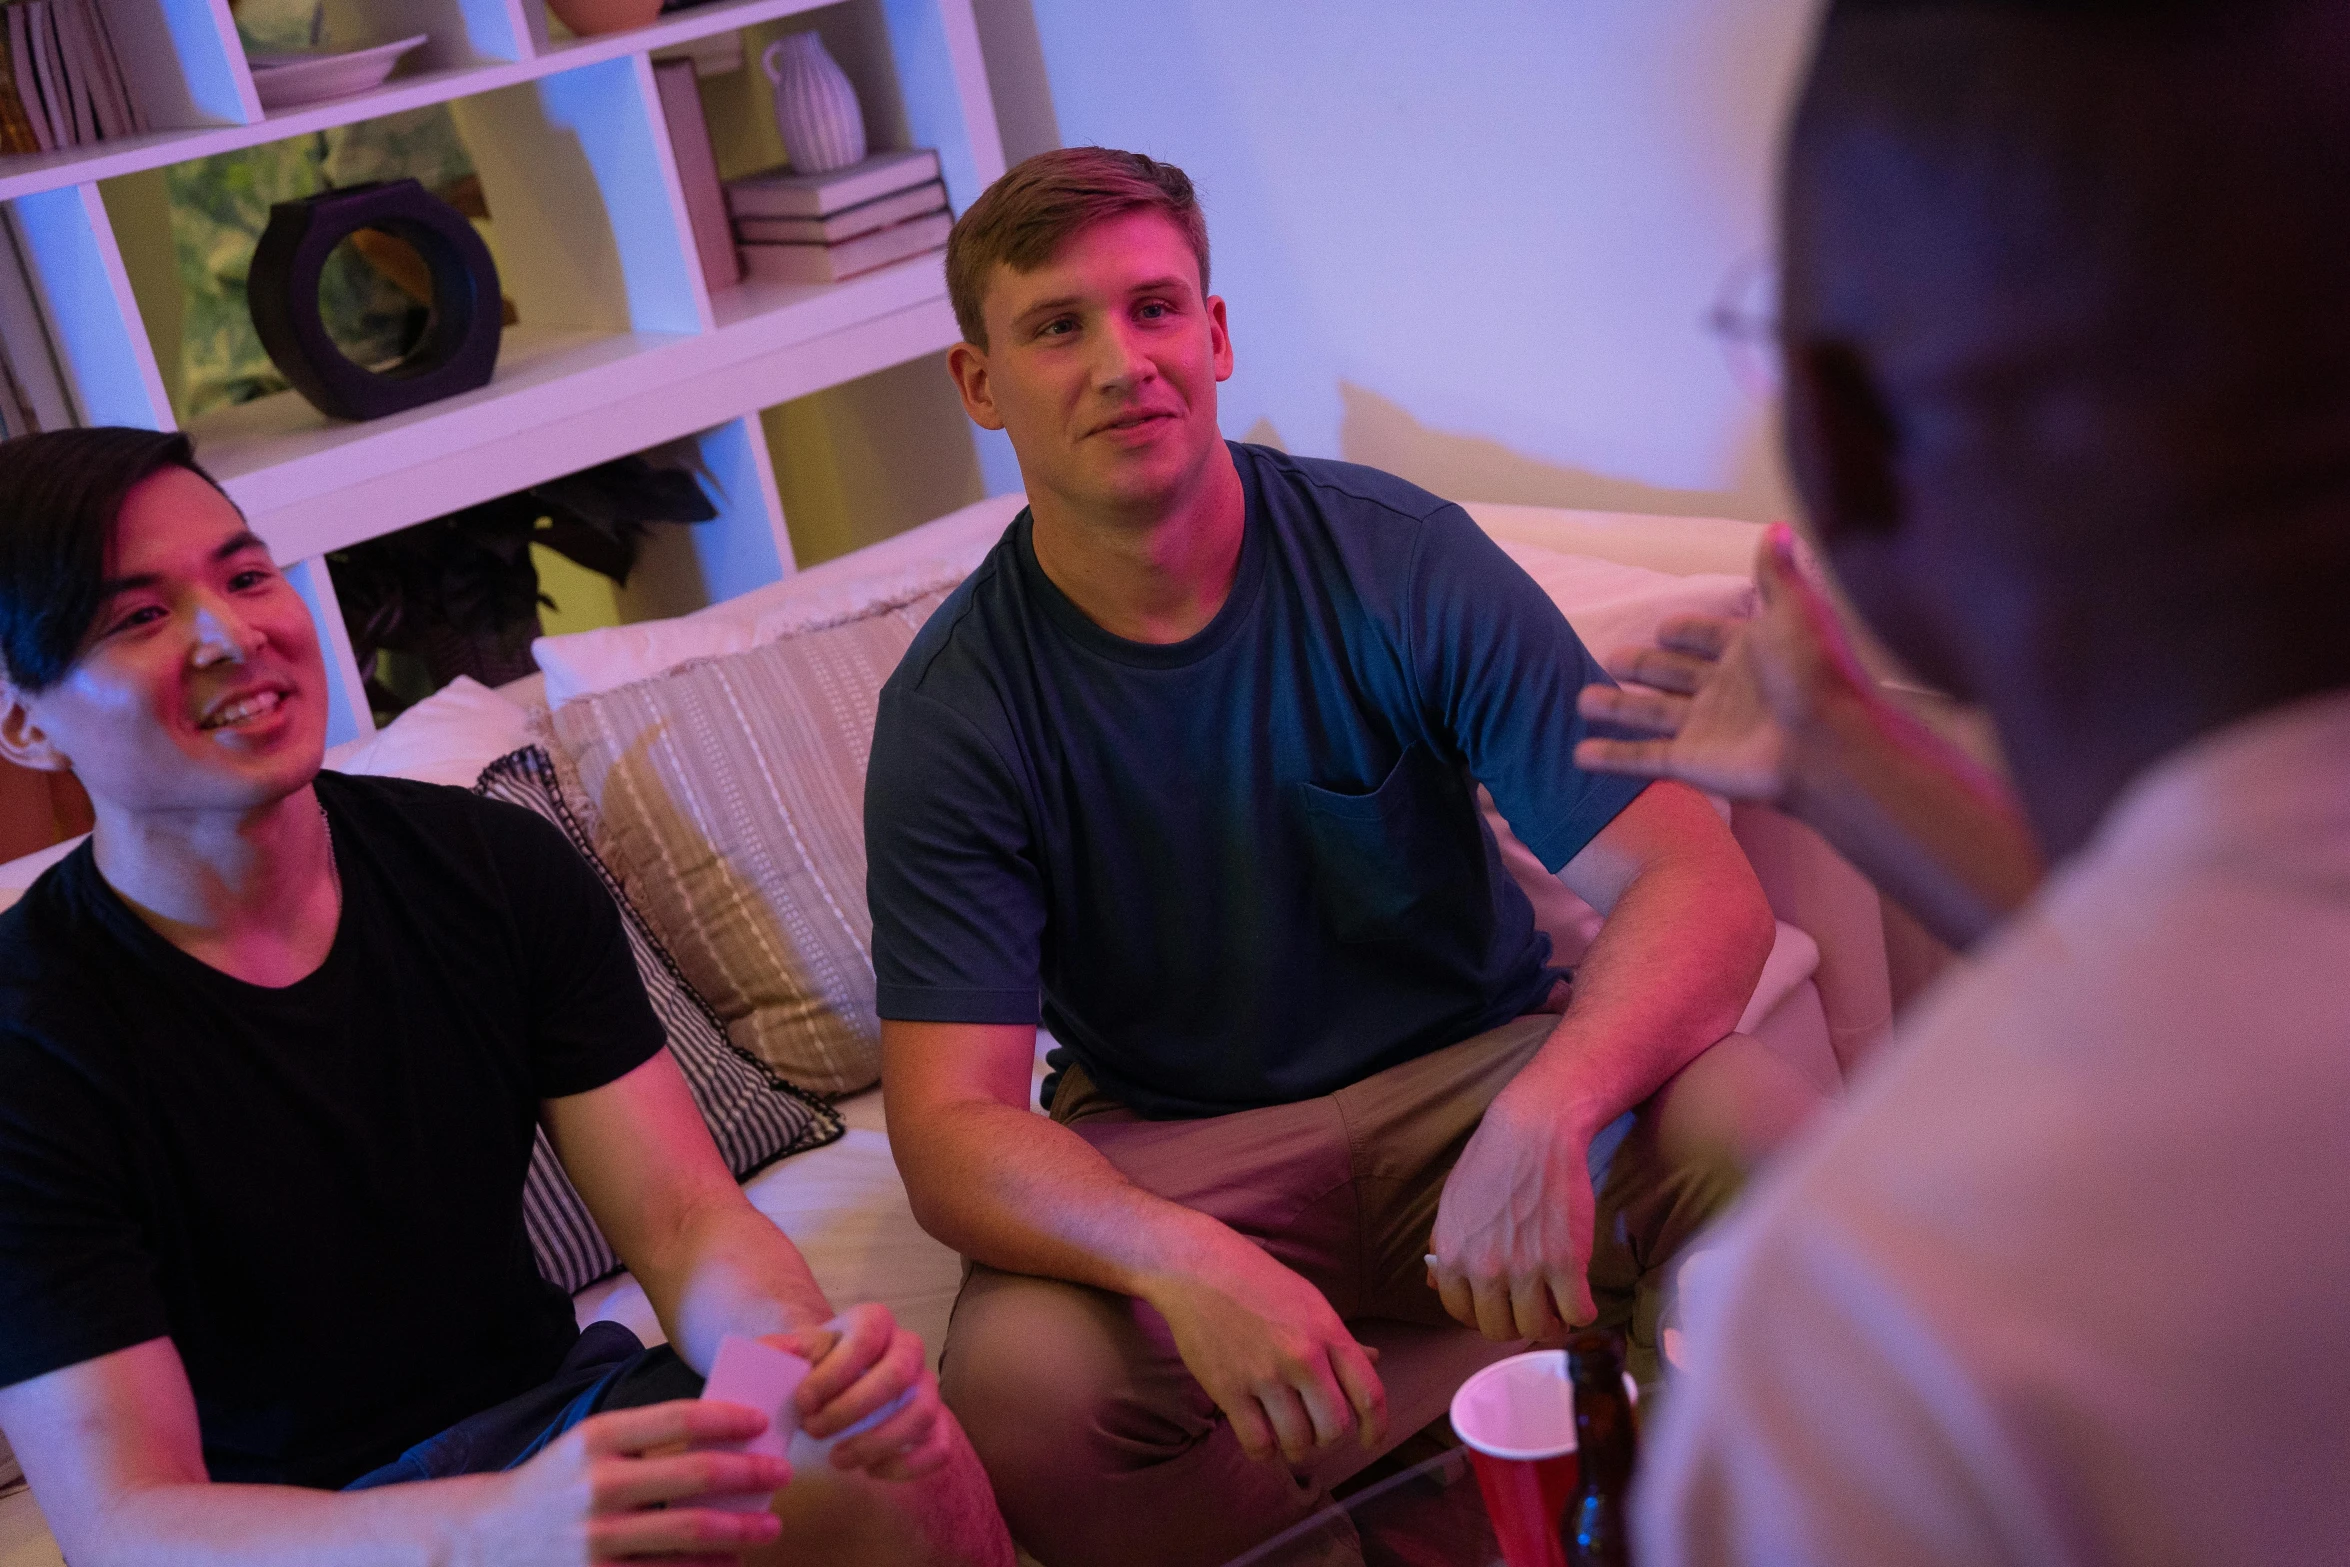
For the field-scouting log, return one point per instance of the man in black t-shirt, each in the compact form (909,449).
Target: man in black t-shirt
(274,1045)
(1187,769)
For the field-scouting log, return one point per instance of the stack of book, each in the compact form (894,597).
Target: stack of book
(820,228)
(61,84)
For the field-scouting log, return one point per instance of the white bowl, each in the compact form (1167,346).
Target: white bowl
(286,80)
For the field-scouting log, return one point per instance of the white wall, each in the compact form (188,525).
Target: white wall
(1470,241)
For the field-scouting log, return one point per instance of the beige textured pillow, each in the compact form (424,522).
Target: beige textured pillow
(729,796)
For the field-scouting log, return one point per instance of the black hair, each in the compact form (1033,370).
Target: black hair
(60,493)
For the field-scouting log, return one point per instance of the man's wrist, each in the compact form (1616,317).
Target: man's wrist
(1548,1095)
(465,1519)
(1189,1248)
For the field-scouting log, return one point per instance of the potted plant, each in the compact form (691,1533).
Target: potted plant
(459,595)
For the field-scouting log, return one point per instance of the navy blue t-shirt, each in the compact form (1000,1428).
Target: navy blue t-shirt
(1246,868)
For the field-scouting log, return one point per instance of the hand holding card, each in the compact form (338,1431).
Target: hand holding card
(757,1376)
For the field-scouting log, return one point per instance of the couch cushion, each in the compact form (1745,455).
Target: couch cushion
(729,796)
(754,1117)
(1679,545)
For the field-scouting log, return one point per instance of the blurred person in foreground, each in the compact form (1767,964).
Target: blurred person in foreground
(2069,408)
(274,1045)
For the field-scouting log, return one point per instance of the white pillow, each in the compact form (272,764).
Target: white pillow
(943,550)
(447,738)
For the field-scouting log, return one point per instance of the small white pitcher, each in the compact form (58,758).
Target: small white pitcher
(815,107)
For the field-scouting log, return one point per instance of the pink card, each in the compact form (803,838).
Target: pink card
(760,1377)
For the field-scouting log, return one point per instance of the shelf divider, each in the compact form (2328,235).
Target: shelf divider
(201,80)
(943,81)
(682,567)
(588,228)
(348,716)
(746,546)
(93,319)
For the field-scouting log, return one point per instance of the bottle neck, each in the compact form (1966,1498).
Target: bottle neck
(1605,1444)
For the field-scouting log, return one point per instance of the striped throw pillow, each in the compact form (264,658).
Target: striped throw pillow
(728,795)
(754,1116)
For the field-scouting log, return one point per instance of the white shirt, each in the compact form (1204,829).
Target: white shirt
(2068,1281)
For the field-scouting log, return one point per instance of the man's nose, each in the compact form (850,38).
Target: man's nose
(1120,361)
(224,635)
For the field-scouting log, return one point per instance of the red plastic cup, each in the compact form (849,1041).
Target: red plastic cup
(1518,1418)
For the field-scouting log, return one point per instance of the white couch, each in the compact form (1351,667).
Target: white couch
(1824,999)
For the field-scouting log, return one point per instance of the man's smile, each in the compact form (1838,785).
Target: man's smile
(1132,420)
(241,707)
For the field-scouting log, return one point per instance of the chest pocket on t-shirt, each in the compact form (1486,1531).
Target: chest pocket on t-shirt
(1405,862)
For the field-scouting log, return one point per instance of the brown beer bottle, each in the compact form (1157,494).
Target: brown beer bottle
(1597,1528)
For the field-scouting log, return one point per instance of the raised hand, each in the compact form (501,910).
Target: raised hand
(1730,705)
(862,1362)
(1272,1353)
(620,1487)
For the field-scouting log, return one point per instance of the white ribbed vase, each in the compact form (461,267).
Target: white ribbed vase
(815,107)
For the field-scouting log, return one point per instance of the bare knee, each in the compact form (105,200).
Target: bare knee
(1736,1105)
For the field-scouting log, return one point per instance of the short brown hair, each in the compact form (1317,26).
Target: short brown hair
(1022,218)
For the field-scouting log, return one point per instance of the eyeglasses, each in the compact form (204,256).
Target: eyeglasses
(1744,317)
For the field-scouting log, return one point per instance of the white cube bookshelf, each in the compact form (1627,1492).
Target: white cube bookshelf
(621,347)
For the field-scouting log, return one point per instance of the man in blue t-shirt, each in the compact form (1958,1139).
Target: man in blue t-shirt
(1187,771)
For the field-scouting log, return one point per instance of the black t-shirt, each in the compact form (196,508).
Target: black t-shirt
(1246,868)
(315,1191)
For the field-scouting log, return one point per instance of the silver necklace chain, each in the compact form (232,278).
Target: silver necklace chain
(334,872)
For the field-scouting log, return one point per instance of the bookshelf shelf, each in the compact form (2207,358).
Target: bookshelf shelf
(621,346)
(311,484)
(27,173)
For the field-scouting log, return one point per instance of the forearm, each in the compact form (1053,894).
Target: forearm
(731,1271)
(1915,815)
(428,1524)
(1010,1189)
(1670,973)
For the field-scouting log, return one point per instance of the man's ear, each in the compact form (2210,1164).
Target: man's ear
(1220,335)
(22,739)
(1841,443)
(968,365)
